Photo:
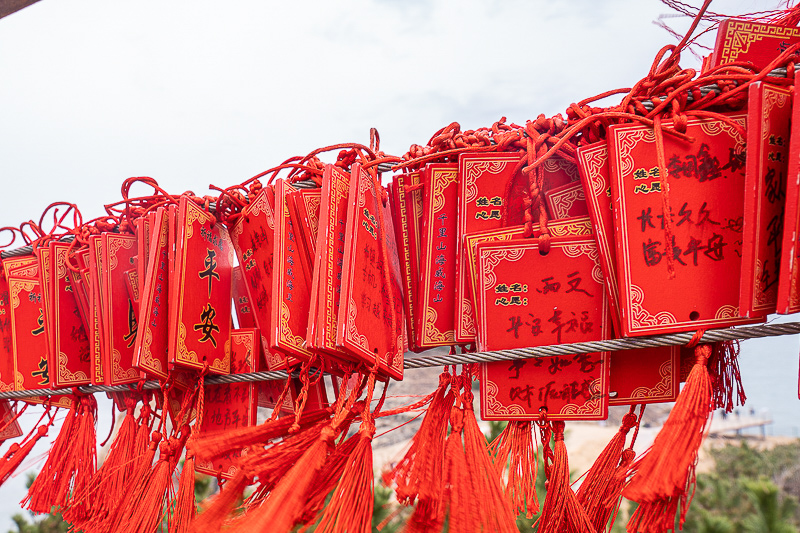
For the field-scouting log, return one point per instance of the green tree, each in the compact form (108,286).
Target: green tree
(774,514)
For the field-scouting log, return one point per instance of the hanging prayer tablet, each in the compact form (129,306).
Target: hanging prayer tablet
(201,295)
(557,228)
(152,334)
(70,362)
(119,317)
(233,405)
(594,169)
(645,375)
(291,288)
(97,325)
(43,257)
(326,285)
(769,109)
(371,311)
(789,284)
(484,180)
(748,40)
(252,236)
(6,340)
(29,342)
(436,312)
(566,201)
(530,299)
(407,221)
(706,199)
(571,387)
(241,300)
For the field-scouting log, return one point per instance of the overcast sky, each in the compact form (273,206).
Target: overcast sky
(199,92)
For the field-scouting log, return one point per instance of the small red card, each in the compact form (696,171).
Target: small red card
(252,237)
(530,299)
(29,341)
(304,210)
(232,406)
(119,316)
(569,227)
(6,337)
(152,334)
(484,180)
(407,221)
(789,284)
(371,311)
(566,201)
(97,325)
(594,169)
(436,311)
(769,111)
(573,387)
(203,264)
(70,361)
(327,277)
(46,286)
(241,300)
(706,194)
(646,375)
(747,40)
(291,288)
(144,229)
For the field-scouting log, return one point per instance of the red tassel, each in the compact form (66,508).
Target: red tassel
(726,379)
(328,478)
(110,482)
(16,453)
(72,463)
(419,474)
(515,447)
(284,506)
(42,495)
(495,509)
(599,483)
(561,508)
(150,497)
(219,443)
(664,471)
(457,488)
(185,508)
(350,507)
(214,513)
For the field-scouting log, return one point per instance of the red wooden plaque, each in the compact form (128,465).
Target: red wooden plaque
(152,335)
(594,170)
(70,361)
(746,40)
(530,299)
(203,264)
(327,278)
(291,288)
(706,195)
(789,284)
(234,405)
(436,311)
(646,375)
(252,237)
(769,111)
(119,318)
(484,180)
(573,387)
(566,201)
(371,311)
(407,212)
